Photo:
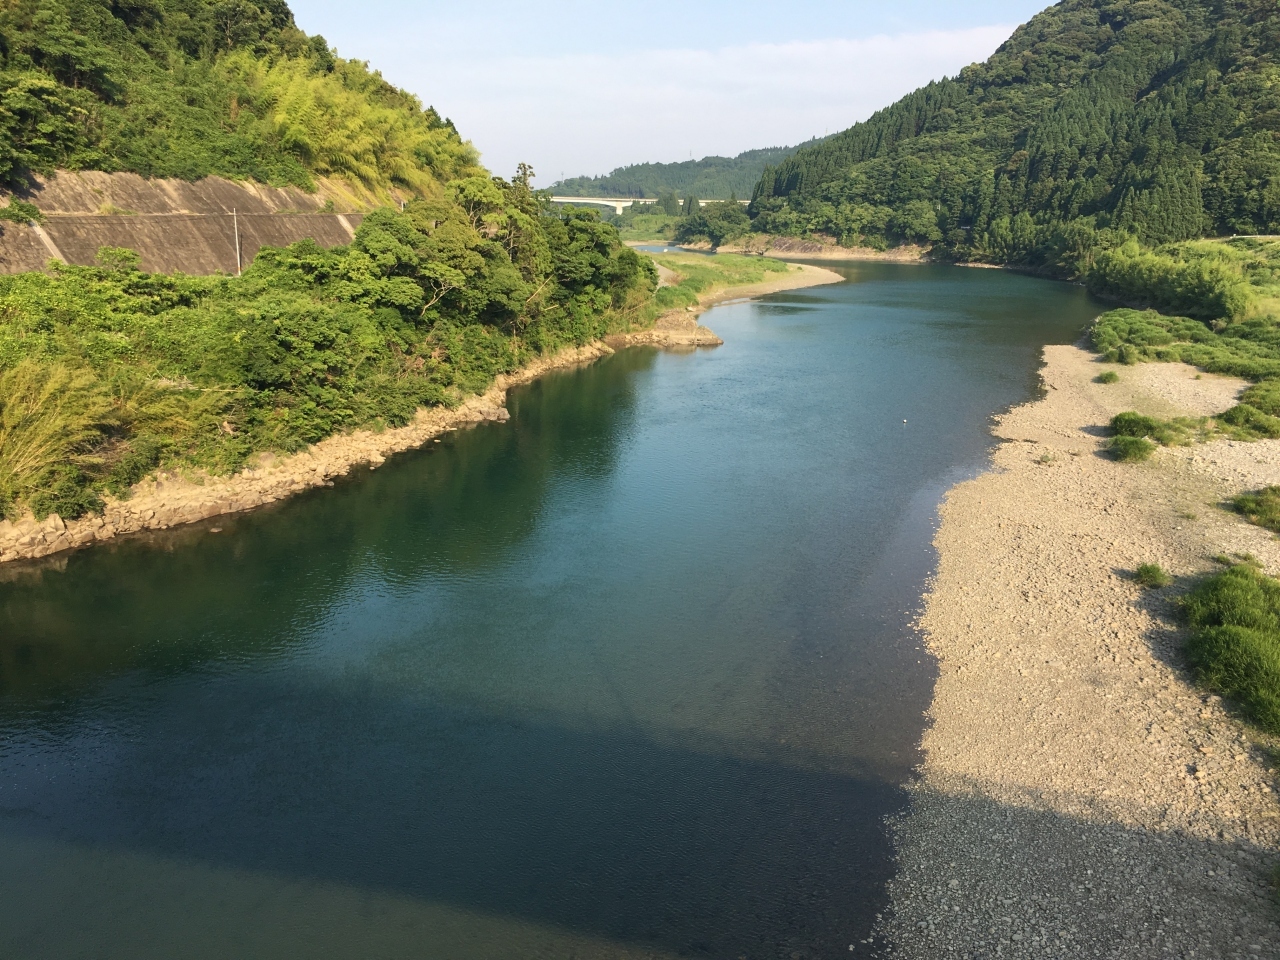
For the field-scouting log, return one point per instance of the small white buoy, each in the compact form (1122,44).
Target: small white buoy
(904,421)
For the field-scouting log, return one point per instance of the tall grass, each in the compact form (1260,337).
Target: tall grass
(50,418)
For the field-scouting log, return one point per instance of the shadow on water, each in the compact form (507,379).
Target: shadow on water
(659,845)
(635,667)
(453,509)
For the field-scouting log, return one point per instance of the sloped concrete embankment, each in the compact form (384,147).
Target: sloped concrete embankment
(174,226)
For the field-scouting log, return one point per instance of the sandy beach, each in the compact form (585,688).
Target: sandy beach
(1080,796)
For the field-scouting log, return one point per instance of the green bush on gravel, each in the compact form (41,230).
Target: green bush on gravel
(1235,643)
(1152,575)
(1131,449)
(1261,508)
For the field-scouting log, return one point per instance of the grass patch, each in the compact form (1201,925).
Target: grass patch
(1241,422)
(1152,576)
(1131,449)
(701,275)
(1261,508)
(1109,376)
(1235,643)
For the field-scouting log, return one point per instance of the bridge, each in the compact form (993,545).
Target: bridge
(621,203)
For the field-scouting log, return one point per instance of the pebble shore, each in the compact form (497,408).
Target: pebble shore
(1080,797)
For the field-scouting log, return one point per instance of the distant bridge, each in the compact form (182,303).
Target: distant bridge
(621,203)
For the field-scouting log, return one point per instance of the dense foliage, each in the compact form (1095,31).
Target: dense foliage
(106,372)
(1097,120)
(191,88)
(711,178)
(716,223)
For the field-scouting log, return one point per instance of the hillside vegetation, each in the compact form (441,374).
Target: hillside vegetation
(1098,120)
(193,88)
(107,373)
(711,178)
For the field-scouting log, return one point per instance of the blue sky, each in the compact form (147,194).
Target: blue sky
(580,88)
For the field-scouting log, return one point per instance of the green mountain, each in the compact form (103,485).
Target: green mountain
(711,178)
(190,88)
(1097,120)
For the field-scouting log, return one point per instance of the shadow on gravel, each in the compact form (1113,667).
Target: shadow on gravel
(1022,881)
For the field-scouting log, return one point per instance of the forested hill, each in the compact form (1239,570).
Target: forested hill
(108,374)
(1095,120)
(711,178)
(191,88)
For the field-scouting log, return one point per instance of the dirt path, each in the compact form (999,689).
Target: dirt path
(1079,796)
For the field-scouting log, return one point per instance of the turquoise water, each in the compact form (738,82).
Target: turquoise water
(630,676)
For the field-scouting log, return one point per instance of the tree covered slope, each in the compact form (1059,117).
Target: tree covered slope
(1097,119)
(191,88)
(711,178)
(108,373)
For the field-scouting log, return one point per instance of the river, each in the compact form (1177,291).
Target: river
(632,675)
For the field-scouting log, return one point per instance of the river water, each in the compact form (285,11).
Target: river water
(632,675)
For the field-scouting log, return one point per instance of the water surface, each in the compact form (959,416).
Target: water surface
(629,676)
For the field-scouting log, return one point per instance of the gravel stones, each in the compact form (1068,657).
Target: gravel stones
(1080,797)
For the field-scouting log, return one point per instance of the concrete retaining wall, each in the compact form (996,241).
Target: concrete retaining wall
(173,225)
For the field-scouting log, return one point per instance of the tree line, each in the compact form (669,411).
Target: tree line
(1096,122)
(711,178)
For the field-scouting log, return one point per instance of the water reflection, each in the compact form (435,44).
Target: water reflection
(629,676)
(451,510)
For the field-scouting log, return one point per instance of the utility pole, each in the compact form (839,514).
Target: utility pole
(235,223)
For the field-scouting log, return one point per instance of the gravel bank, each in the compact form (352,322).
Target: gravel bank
(1079,796)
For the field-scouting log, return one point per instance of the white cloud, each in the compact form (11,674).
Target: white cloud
(590,113)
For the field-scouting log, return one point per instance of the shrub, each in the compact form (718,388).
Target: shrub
(1207,288)
(107,372)
(1235,643)
(1131,449)
(1152,576)
(1264,396)
(1262,508)
(19,211)
(1133,424)
(1167,433)
(1109,376)
(1251,423)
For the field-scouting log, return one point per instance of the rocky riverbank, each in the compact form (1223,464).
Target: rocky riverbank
(1080,796)
(172,499)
